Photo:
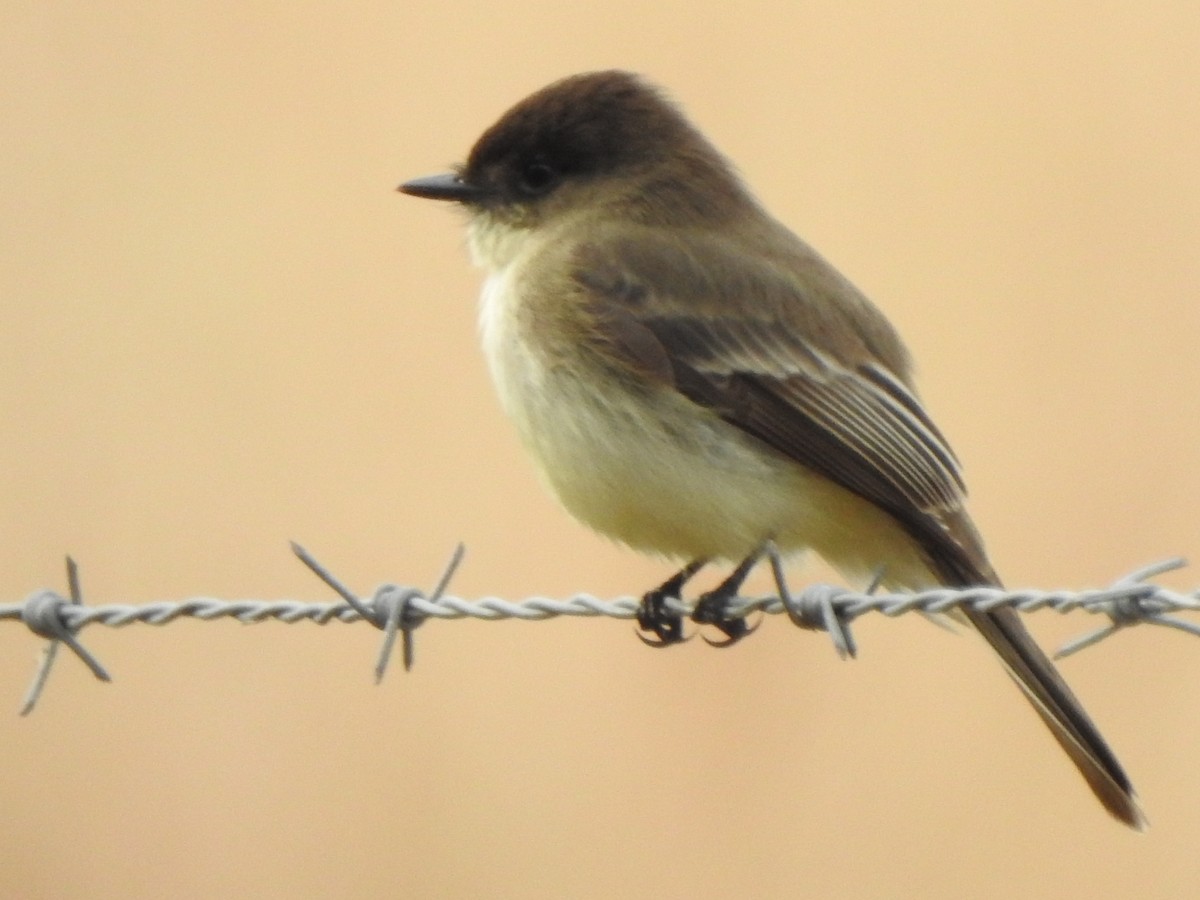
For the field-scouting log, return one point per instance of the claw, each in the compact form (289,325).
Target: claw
(653,614)
(712,608)
(734,629)
(721,645)
(662,642)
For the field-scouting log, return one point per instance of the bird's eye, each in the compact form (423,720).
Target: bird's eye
(538,178)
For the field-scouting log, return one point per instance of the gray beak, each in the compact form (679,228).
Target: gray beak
(448,186)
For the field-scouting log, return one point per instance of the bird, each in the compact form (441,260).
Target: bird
(696,382)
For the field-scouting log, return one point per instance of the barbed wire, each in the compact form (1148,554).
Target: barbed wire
(398,610)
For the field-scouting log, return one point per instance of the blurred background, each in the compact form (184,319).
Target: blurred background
(223,329)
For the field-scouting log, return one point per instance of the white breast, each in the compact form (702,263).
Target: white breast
(645,466)
(665,478)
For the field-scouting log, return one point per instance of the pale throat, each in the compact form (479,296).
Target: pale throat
(495,243)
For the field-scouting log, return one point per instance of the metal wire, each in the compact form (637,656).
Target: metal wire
(398,611)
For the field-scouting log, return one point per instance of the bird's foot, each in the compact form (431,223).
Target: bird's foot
(713,609)
(654,613)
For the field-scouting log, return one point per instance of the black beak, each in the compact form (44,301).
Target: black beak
(443,187)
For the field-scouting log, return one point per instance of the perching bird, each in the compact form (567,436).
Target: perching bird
(694,381)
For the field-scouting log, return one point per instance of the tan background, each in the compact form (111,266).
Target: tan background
(222,329)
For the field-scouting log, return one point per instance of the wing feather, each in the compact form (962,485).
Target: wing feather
(847,413)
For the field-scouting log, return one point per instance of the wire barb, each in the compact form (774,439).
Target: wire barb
(814,608)
(42,612)
(398,610)
(1132,603)
(390,609)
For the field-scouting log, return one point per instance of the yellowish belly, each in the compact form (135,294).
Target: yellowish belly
(649,468)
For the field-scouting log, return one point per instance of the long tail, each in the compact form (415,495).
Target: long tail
(1062,713)
(1033,672)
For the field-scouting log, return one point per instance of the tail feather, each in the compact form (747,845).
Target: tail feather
(1063,714)
(961,562)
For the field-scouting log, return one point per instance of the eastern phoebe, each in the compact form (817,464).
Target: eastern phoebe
(694,381)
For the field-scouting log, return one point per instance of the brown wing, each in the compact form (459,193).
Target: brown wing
(849,418)
(846,413)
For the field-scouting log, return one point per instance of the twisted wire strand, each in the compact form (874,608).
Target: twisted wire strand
(398,610)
